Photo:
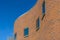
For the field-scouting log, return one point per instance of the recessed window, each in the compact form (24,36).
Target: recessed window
(26,32)
(37,24)
(43,9)
(15,36)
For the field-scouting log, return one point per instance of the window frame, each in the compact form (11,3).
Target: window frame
(26,32)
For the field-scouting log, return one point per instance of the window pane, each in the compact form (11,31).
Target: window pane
(15,36)
(37,24)
(26,32)
(43,7)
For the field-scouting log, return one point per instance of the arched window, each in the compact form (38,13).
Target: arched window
(37,24)
(26,32)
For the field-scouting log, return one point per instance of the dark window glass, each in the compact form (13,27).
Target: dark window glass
(43,7)
(15,36)
(26,32)
(37,24)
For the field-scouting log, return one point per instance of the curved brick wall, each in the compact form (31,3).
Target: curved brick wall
(49,26)
(28,20)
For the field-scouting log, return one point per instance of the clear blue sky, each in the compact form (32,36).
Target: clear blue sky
(9,11)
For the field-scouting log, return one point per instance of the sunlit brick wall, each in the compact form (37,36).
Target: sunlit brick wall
(49,26)
(29,20)
(51,23)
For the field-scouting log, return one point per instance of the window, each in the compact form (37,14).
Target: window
(26,32)
(37,24)
(15,36)
(43,9)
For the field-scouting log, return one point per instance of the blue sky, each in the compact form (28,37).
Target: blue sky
(9,11)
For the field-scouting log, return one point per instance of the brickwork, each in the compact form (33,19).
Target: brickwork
(29,20)
(49,26)
(51,23)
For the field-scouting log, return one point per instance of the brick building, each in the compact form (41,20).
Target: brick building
(42,22)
